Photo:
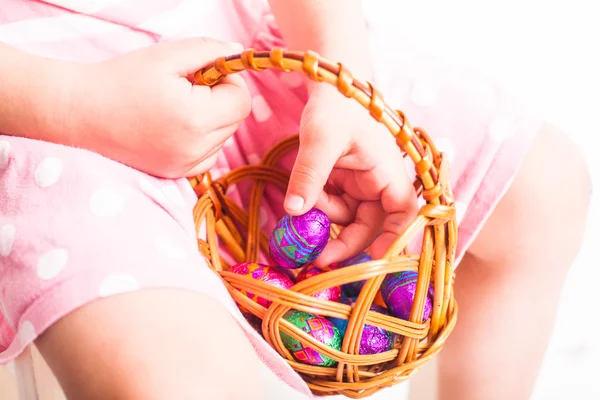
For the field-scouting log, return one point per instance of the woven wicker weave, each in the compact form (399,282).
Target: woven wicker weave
(355,375)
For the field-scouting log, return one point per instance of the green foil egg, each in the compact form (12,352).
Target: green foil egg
(319,328)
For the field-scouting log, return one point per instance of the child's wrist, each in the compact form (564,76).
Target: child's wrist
(38,93)
(58,105)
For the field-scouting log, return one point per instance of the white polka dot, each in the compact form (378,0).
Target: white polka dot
(48,172)
(461,209)
(4,154)
(263,217)
(52,263)
(7,239)
(118,283)
(27,333)
(107,202)
(291,79)
(253,159)
(445,146)
(260,109)
(501,129)
(152,191)
(173,193)
(169,248)
(423,93)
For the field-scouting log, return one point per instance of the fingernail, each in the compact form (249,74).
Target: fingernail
(294,202)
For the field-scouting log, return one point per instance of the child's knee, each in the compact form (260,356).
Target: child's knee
(152,344)
(544,212)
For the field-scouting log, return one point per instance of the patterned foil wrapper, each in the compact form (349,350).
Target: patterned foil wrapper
(332,294)
(319,328)
(374,339)
(265,273)
(398,292)
(299,240)
(353,289)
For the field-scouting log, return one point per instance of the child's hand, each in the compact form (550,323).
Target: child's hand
(140,109)
(343,147)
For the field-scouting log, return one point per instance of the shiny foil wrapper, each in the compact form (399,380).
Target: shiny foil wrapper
(299,240)
(353,289)
(319,328)
(374,339)
(398,293)
(332,294)
(264,273)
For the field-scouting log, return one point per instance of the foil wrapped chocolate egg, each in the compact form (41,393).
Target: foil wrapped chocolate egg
(299,240)
(398,293)
(333,293)
(264,273)
(319,328)
(353,289)
(374,339)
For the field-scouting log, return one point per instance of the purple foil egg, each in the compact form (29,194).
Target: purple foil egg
(299,240)
(373,340)
(398,293)
(353,289)
(332,294)
(265,273)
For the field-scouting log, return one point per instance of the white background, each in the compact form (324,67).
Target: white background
(549,53)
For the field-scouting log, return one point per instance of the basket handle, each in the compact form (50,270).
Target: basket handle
(412,141)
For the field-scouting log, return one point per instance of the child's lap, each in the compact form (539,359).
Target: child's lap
(77,226)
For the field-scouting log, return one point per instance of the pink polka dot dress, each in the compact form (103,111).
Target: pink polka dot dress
(75,226)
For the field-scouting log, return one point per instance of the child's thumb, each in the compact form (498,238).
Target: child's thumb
(310,173)
(190,55)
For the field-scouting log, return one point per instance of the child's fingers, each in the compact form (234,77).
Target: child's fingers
(340,209)
(399,201)
(210,147)
(204,165)
(221,105)
(191,54)
(317,155)
(357,236)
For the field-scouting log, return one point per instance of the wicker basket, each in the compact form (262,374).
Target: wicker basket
(355,375)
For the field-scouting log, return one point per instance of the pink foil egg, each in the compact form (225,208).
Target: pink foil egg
(264,273)
(332,294)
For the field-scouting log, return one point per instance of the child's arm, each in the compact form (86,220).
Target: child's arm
(35,94)
(122,107)
(335,29)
